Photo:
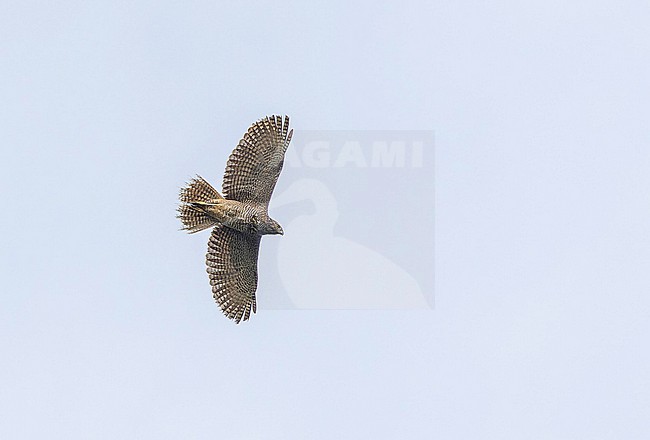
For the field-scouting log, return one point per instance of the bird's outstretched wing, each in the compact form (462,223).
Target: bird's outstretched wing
(232,268)
(255,164)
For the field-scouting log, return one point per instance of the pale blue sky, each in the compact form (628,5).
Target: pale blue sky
(542,243)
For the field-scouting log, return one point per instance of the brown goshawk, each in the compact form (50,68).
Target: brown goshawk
(239,216)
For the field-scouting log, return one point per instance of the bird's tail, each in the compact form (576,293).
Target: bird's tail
(195,197)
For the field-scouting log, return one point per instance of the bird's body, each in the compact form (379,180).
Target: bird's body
(251,218)
(240,217)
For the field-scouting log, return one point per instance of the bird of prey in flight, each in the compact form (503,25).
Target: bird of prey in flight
(239,216)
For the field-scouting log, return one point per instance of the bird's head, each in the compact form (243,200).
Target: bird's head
(271,227)
(277,229)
